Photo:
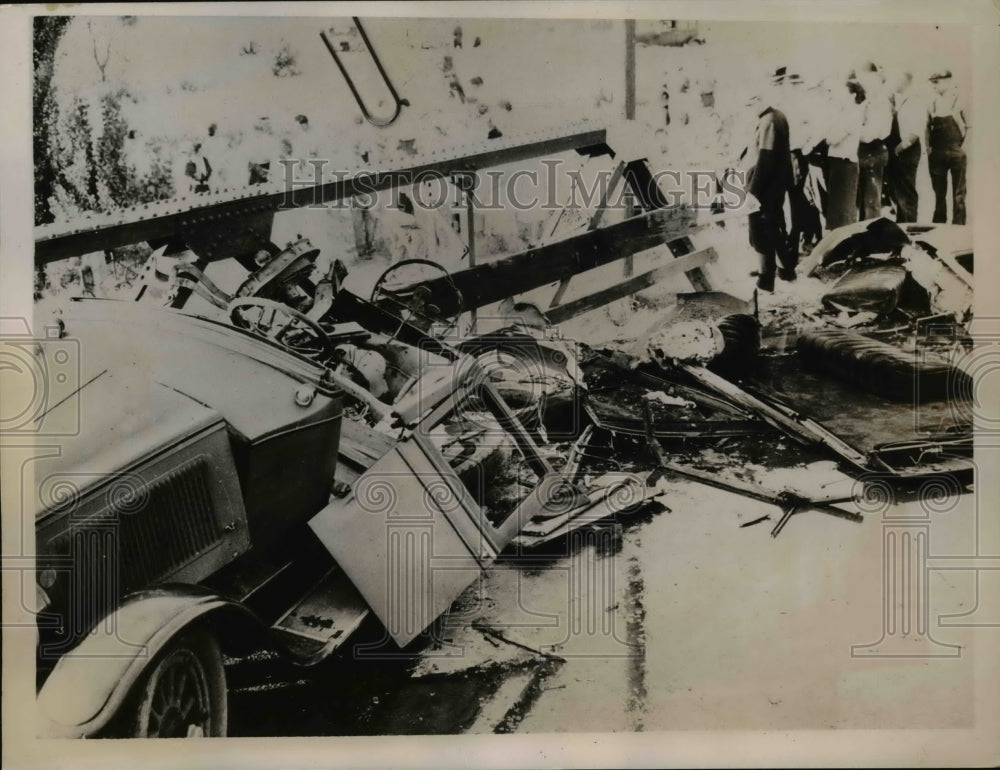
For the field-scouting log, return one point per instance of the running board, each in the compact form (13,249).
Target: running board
(322,620)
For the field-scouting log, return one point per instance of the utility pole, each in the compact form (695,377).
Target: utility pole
(630,69)
(629,265)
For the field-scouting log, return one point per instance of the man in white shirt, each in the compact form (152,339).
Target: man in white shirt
(191,170)
(817,98)
(303,149)
(843,136)
(909,124)
(876,125)
(946,155)
(263,151)
(198,170)
(216,150)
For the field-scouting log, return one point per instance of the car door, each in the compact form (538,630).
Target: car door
(420,524)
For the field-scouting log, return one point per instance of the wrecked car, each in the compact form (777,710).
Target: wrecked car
(231,490)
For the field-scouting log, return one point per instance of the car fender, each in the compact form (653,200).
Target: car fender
(89,684)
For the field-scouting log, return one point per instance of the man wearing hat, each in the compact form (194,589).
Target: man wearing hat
(769,177)
(945,155)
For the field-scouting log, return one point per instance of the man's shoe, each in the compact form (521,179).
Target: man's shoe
(765,285)
(786,275)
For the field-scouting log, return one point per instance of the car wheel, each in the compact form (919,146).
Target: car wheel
(184,694)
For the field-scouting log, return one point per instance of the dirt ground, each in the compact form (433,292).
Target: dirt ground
(688,621)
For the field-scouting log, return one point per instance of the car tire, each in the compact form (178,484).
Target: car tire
(183,694)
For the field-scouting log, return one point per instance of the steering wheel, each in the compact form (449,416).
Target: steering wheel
(410,295)
(279,323)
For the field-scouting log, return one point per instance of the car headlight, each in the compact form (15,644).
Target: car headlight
(42,600)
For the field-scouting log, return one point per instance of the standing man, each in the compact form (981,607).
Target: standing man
(303,149)
(909,123)
(216,150)
(876,125)
(814,150)
(805,230)
(198,170)
(946,156)
(770,176)
(362,218)
(262,152)
(843,137)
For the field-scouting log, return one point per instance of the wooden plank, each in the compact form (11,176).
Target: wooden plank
(630,69)
(496,281)
(803,429)
(598,299)
(786,498)
(642,182)
(699,281)
(557,298)
(699,396)
(470,213)
(602,204)
(697,278)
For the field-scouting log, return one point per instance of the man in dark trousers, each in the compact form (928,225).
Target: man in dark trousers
(198,169)
(806,229)
(945,154)
(876,125)
(909,123)
(768,180)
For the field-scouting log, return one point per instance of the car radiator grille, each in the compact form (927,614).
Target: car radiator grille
(146,533)
(177,523)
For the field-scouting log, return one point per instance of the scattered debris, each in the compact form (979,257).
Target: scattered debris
(575,456)
(758,520)
(789,500)
(687,341)
(663,398)
(489,631)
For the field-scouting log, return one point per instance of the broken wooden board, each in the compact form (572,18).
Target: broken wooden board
(789,501)
(495,281)
(627,368)
(685,264)
(683,429)
(799,427)
(602,204)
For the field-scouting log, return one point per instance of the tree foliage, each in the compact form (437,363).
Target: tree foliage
(48,30)
(82,160)
(76,172)
(285,62)
(118,176)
